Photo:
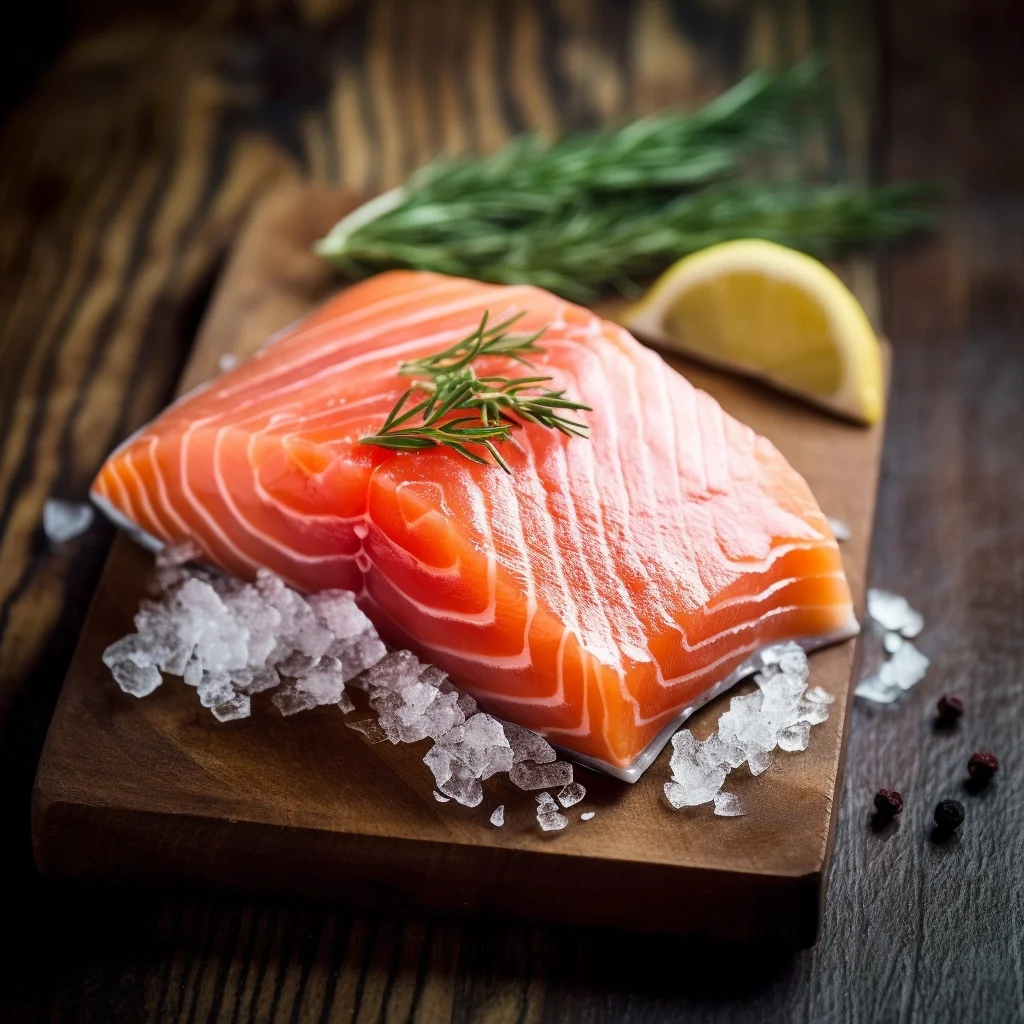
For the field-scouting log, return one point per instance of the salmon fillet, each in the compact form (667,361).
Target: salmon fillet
(598,593)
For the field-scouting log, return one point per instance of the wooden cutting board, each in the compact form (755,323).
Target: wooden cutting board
(156,791)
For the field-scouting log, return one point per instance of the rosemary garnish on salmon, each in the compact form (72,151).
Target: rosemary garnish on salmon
(497,405)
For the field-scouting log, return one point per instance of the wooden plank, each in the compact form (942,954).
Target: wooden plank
(154,790)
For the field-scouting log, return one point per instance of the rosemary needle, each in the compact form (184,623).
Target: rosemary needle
(498,404)
(597,210)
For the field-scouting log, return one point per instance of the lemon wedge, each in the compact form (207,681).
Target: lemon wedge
(769,312)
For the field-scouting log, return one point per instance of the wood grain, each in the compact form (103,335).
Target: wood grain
(154,791)
(912,932)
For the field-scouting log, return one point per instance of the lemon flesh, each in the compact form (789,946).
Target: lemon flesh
(769,312)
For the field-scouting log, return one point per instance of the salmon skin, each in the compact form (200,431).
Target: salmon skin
(599,593)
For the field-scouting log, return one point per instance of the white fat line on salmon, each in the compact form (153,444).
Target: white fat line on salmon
(299,518)
(156,465)
(697,647)
(643,761)
(265,541)
(560,459)
(505,518)
(125,498)
(485,618)
(479,296)
(304,324)
(304,329)
(584,498)
(688,677)
(122,522)
(384,356)
(712,441)
(336,417)
(413,299)
(595,627)
(851,629)
(584,727)
(541,545)
(205,528)
(623,370)
(558,699)
(261,398)
(686,418)
(663,488)
(154,518)
(370,355)
(694,584)
(743,599)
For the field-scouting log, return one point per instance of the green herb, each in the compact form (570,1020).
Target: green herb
(597,210)
(499,404)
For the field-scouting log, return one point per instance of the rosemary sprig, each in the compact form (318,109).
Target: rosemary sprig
(499,404)
(596,210)
(484,341)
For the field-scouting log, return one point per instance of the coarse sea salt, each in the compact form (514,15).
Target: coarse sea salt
(527,775)
(415,702)
(727,805)
(840,530)
(893,612)
(571,794)
(779,714)
(893,665)
(230,640)
(548,816)
(370,728)
(66,520)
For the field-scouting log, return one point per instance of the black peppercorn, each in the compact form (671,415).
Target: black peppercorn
(950,708)
(888,803)
(982,766)
(949,815)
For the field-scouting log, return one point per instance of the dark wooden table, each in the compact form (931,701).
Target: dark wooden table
(126,169)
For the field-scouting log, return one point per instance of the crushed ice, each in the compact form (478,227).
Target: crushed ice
(587,815)
(498,816)
(727,805)
(370,728)
(415,702)
(779,714)
(548,816)
(886,679)
(571,794)
(527,775)
(231,640)
(65,520)
(894,613)
(840,530)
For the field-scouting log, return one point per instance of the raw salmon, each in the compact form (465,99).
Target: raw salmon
(598,593)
